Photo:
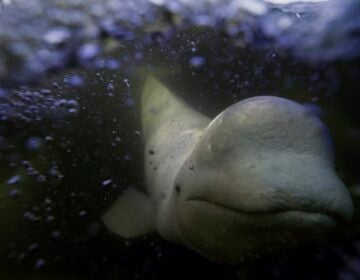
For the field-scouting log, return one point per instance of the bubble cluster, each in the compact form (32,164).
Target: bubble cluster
(30,106)
(73,32)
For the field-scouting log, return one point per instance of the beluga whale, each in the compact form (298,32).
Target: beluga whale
(256,178)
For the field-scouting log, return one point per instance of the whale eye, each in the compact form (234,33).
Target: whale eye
(177,188)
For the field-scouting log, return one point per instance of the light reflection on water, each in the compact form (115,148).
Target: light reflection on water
(294,1)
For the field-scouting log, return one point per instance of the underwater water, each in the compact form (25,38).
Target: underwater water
(71,141)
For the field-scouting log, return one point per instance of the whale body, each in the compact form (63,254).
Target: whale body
(259,175)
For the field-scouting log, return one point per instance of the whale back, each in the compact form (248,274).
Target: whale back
(171,129)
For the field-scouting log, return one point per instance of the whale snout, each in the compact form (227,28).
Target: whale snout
(296,190)
(282,182)
(235,211)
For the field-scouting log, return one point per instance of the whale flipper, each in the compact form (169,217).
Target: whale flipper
(131,215)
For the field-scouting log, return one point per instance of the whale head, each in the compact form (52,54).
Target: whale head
(260,177)
(257,179)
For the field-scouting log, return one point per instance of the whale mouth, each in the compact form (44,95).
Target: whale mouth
(284,217)
(226,234)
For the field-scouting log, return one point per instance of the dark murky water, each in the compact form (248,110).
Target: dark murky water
(70,136)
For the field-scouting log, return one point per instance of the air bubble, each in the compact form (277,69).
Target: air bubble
(106,182)
(55,234)
(45,91)
(57,36)
(110,86)
(40,263)
(82,213)
(197,62)
(72,111)
(127,157)
(112,64)
(74,80)
(88,51)
(33,247)
(126,82)
(50,219)
(31,217)
(49,138)
(33,143)
(41,178)
(47,200)
(14,180)
(14,193)
(129,102)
